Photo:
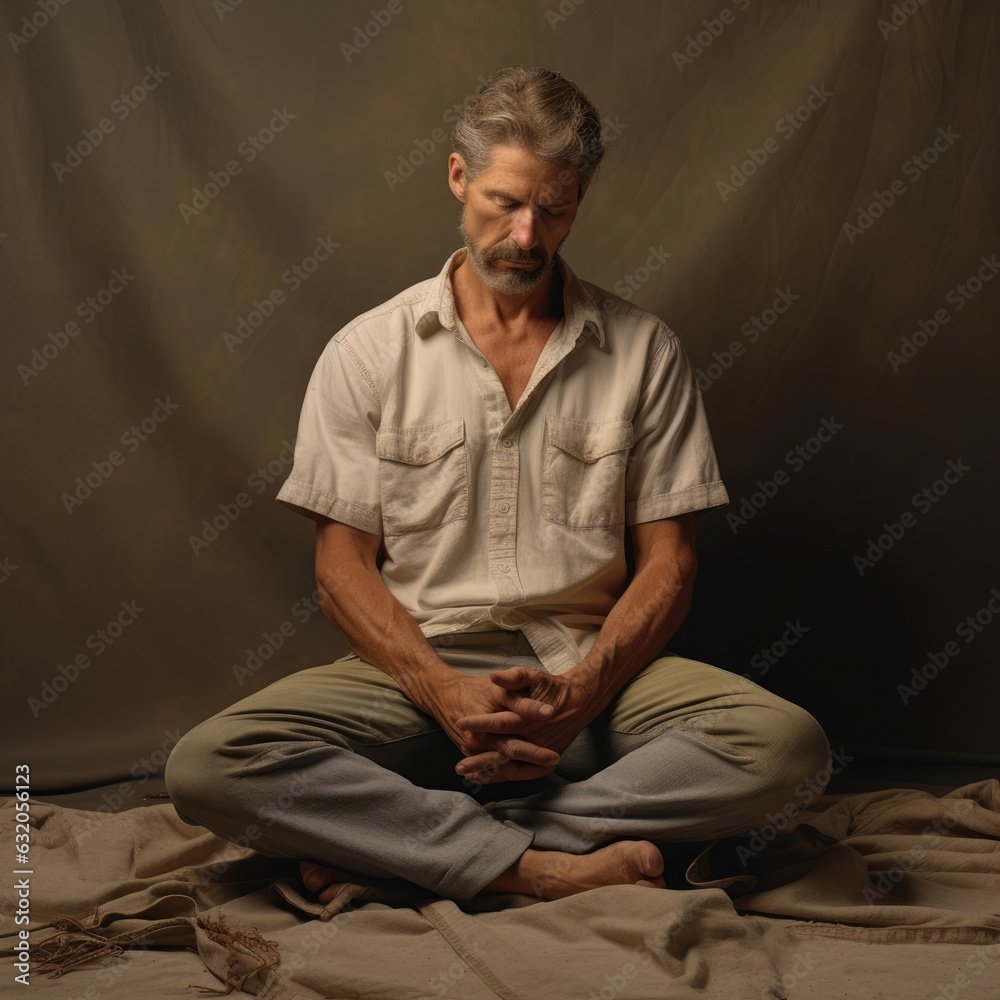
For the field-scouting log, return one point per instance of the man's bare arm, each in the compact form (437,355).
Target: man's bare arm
(382,632)
(637,628)
(652,608)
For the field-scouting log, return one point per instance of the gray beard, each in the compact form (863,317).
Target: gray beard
(507,281)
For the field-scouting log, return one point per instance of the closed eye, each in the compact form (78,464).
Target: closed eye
(510,206)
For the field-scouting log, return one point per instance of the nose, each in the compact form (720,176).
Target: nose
(524,231)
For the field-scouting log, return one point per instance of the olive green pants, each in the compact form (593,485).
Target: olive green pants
(334,764)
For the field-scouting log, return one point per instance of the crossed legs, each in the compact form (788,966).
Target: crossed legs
(335,766)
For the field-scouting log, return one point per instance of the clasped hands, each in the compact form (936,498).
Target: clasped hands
(512,724)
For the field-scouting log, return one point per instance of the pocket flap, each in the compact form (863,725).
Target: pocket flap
(419,445)
(588,440)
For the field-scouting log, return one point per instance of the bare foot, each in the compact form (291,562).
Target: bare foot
(326,882)
(553,874)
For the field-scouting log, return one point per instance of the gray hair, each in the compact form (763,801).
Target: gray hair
(537,110)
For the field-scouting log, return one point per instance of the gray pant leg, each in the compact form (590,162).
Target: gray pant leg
(330,764)
(686,752)
(334,767)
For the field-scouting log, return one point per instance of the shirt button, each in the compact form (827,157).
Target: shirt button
(505,568)
(503,507)
(486,364)
(507,443)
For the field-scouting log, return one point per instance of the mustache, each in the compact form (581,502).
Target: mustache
(509,250)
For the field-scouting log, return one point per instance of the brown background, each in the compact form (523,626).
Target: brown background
(682,129)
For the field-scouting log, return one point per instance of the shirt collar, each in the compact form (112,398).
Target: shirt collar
(437,310)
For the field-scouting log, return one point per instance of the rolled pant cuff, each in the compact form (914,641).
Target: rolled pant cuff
(471,875)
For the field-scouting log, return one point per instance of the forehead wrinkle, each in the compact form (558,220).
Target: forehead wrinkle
(537,194)
(516,167)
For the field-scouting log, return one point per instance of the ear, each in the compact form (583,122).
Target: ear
(457,176)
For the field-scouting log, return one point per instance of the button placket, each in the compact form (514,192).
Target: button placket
(503,426)
(504,478)
(504,475)
(494,398)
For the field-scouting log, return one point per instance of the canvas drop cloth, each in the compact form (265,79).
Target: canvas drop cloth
(888,894)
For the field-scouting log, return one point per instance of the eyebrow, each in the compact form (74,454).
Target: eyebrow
(497,193)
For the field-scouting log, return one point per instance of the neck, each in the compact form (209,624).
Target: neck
(472,294)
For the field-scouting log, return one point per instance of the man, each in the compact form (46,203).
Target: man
(472,452)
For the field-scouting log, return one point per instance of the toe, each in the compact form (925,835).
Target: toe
(330,892)
(650,860)
(312,875)
(317,877)
(653,883)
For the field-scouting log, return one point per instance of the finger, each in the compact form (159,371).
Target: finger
(530,753)
(494,722)
(515,679)
(487,777)
(481,762)
(475,742)
(513,771)
(511,678)
(506,751)
(529,708)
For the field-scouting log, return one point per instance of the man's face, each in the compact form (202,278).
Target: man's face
(516,214)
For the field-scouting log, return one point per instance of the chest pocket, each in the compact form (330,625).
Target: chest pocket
(423,475)
(583,471)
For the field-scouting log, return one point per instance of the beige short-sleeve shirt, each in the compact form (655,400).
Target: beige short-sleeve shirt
(497,518)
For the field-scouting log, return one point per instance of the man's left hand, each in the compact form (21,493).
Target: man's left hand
(573,699)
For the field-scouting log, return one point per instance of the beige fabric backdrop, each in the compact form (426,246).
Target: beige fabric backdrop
(168,166)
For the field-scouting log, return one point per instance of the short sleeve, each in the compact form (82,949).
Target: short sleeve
(672,466)
(335,470)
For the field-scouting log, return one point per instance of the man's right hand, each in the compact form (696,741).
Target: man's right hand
(382,632)
(455,695)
